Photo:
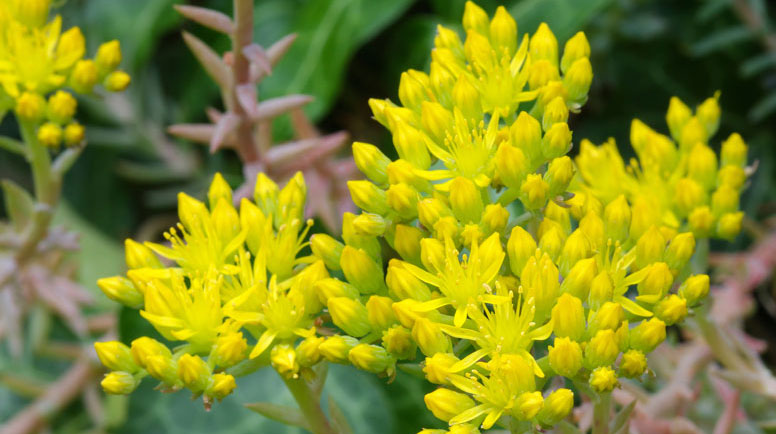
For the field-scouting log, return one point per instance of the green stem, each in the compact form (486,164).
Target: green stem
(310,405)
(47,190)
(601,413)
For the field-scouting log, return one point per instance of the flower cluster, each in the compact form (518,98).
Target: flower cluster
(677,184)
(493,254)
(233,273)
(38,61)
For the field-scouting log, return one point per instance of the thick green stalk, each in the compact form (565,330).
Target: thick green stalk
(310,405)
(601,413)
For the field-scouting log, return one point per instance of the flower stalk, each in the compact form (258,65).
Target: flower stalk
(309,403)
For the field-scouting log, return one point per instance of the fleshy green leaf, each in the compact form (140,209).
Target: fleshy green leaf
(18,204)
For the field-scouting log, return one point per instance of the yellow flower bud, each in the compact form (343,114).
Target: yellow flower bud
(432,254)
(115,356)
(503,32)
(121,289)
(349,315)
(551,241)
(308,352)
(371,358)
(30,106)
(556,141)
(701,221)
(430,210)
(559,174)
(541,73)
(163,368)
(362,271)
(466,98)
(593,226)
(729,225)
(603,379)
(283,359)
(576,48)
(479,52)
(577,80)
(734,151)
(643,216)
(680,250)
(226,221)
(403,199)
(378,107)
(734,176)
(265,194)
(219,189)
(694,289)
(331,287)
(656,283)
(70,49)
(61,107)
(511,165)
(368,197)
(32,13)
(495,218)
(677,116)
(671,309)
(568,317)
(429,337)
(528,405)
(84,76)
(543,45)
(702,165)
(558,405)
(708,113)
(565,357)
(601,289)
(475,18)
(724,200)
(119,383)
(380,313)
(446,404)
(193,372)
(646,336)
(230,349)
(436,120)
(580,278)
(437,368)
(526,134)
(370,224)
(555,112)
(633,364)
(108,56)
(328,249)
(608,317)
(534,192)
(145,347)
(447,38)
(116,81)
(617,218)
(336,348)
(442,80)
(520,247)
(692,133)
(413,86)
(371,162)
(602,350)
(650,247)
(221,386)
(50,135)
(74,134)
(397,340)
(466,200)
(407,243)
(404,284)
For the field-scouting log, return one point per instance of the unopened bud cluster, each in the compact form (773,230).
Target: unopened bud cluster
(42,67)
(677,183)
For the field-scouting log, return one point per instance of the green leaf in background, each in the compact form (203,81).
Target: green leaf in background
(565,17)
(329,32)
(357,393)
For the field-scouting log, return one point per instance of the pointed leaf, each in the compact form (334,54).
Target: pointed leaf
(246,96)
(225,126)
(275,107)
(18,204)
(256,54)
(211,61)
(12,145)
(207,17)
(279,48)
(338,418)
(621,423)
(564,427)
(200,133)
(281,413)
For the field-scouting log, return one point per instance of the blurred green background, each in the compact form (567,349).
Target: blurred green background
(643,52)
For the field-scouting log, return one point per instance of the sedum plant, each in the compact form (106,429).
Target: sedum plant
(484,259)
